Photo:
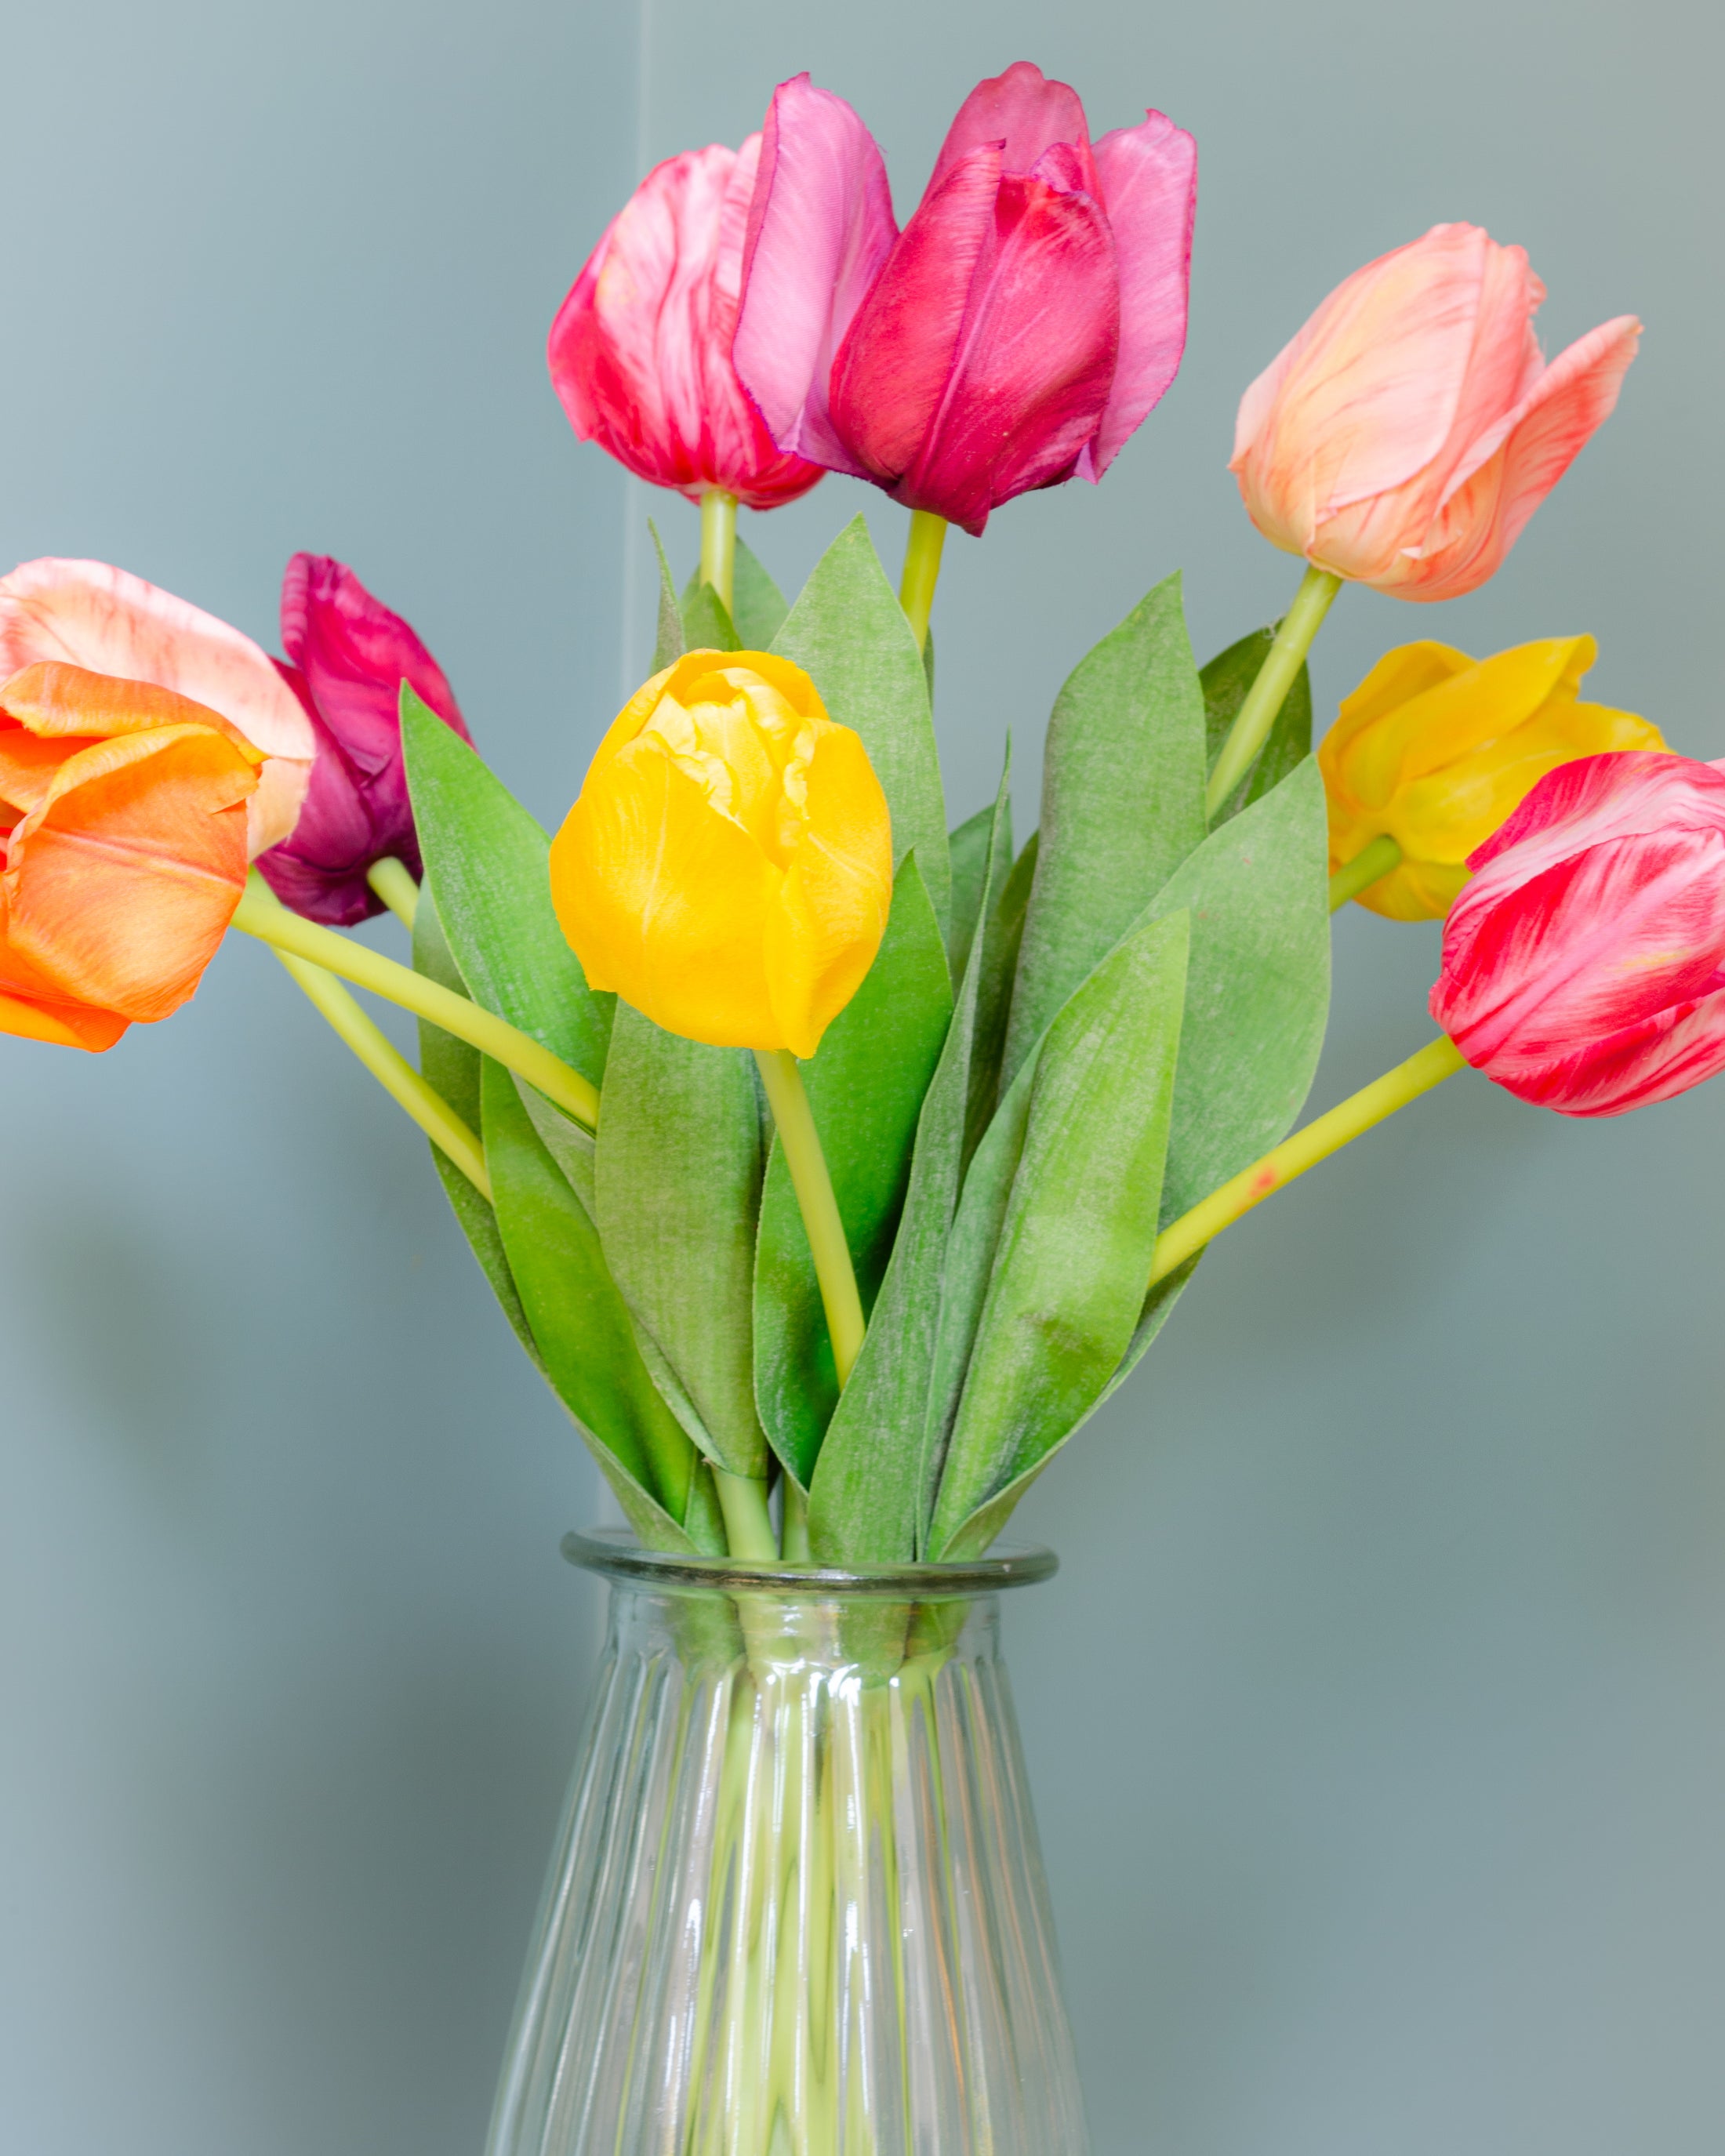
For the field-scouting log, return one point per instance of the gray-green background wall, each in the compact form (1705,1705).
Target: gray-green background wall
(1377,1719)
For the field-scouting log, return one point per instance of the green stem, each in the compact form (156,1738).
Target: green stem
(1281,663)
(789,1100)
(393,880)
(748,1524)
(922,569)
(1369,866)
(391,1070)
(1438,1060)
(718,542)
(797,1547)
(261,914)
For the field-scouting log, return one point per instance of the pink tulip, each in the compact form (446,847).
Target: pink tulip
(1412,427)
(89,615)
(349,655)
(1583,967)
(1016,332)
(640,350)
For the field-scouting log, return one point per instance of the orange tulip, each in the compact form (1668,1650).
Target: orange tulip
(122,850)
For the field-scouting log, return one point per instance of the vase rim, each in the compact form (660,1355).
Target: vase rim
(615,1554)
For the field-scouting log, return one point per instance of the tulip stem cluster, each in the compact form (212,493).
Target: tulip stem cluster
(1281,664)
(261,914)
(1369,866)
(718,543)
(393,880)
(921,570)
(788,1098)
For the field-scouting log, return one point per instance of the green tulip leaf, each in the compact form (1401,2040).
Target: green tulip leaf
(1225,681)
(1003,938)
(1122,806)
(707,625)
(968,852)
(865,1087)
(847,633)
(668,644)
(486,866)
(757,607)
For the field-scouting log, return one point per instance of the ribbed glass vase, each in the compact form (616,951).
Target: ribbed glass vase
(797,1906)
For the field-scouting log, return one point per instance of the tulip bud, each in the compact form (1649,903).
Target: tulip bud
(1412,427)
(348,657)
(1583,966)
(1017,330)
(122,850)
(640,350)
(728,866)
(1433,749)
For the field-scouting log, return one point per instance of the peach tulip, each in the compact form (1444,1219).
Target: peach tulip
(1412,427)
(122,850)
(87,614)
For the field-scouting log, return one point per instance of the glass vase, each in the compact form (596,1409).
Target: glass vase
(797,1906)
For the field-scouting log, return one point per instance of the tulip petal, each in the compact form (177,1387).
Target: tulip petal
(1022,114)
(1148,176)
(821,228)
(93,616)
(830,914)
(66,1025)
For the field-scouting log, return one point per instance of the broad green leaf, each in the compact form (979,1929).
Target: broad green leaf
(453,1068)
(1002,939)
(847,633)
(969,848)
(486,866)
(1065,1288)
(863,1502)
(706,621)
(1225,681)
(668,644)
(586,1341)
(1122,805)
(1259,992)
(570,1146)
(865,1086)
(679,1162)
(757,609)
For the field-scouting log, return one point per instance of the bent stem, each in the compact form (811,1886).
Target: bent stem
(261,914)
(1369,865)
(391,1070)
(718,542)
(921,570)
(393,881)
(1185,1237)
(1281,663)
(789,1100)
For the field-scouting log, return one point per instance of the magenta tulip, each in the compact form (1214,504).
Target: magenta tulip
(1019,329)
(1583,966)
(640,350)
(348,657)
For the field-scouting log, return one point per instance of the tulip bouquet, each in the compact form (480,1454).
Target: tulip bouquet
(834,1163)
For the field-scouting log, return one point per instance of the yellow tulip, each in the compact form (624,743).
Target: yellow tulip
(728,866)
(1433,750)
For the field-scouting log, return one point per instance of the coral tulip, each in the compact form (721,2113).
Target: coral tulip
(1583,966)
(123,840)
(1412,427)
(349,655)
(1016,332)
(640,350)
(728,866)
(1433,749)
(89,615)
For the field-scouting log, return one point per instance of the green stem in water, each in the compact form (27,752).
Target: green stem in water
(788,1101)
(391,1070)
(1369,865)
(1281,663)
(922,570)
(1438,1060)
(261,914)
(393,881)
(718,542)
(748,1524)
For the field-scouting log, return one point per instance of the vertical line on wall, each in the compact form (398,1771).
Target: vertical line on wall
(635,548)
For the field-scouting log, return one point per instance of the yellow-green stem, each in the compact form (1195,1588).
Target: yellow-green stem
(797,1548)
(391,1070)
(922,570)
(1281,663)
(1369,865)
(748,1524)
(718,542)
(1438,1060)
(393,881)
(261,914)
(795,1120)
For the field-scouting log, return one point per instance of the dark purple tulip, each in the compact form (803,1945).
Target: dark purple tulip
(347,657)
